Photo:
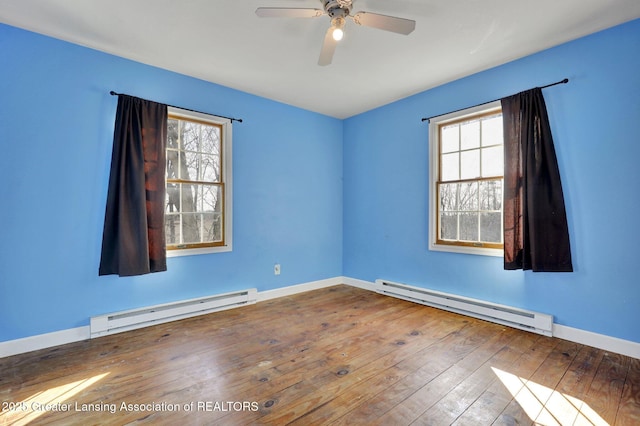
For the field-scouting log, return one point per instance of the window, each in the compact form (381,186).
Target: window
(466,163)
(198,179)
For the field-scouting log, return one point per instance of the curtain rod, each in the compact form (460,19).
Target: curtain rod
(566,80)
(112,93)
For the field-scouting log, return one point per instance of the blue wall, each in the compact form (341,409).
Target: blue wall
(594,120)
(56,129)
(290,202)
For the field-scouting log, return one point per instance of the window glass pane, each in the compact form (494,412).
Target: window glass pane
(198,197)
(469,196)
(450,168)
(172,228)
(469,226)
(191,228)
(188,198)
(492,130)
(182,165)
(210,139)
(470,135)
(450,139)
(212,226)
(449,226)
(448,197)
(173,133)
(212,198)
(173,158)
(190,165)
(470,164)
(492,161)
(210,168)
(491,195)
(491,227)
(172,198)
(190,136)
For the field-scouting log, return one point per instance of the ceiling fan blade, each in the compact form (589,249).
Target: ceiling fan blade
(384,22)
(328,47)
(287,12)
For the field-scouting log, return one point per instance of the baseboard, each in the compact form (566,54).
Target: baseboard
(43,341)
(354,282)
(298,288)
(600,341)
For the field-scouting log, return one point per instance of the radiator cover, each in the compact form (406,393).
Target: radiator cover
(513,317)
(118,322)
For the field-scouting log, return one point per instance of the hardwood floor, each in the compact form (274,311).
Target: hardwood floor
(341,355)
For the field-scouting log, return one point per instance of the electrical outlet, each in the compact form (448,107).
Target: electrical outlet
(276,269)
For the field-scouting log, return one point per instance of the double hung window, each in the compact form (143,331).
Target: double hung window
(198,183)
(467,162)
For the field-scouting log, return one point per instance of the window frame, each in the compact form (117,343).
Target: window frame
(435,244)
(226,178)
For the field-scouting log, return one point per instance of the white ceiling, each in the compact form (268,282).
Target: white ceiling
(224,42)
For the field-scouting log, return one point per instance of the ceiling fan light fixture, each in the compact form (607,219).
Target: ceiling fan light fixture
(337,24)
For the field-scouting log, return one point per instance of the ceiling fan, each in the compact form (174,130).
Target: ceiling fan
(339,11)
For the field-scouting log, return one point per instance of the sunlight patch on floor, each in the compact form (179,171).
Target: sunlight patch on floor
(48,401)
(546,406)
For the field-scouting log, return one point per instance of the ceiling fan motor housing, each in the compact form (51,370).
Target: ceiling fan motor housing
(337,8)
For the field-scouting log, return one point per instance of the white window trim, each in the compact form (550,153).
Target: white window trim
(433,178)
(228,174)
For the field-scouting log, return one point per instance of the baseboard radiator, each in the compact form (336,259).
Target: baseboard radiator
(512,317)
(118,322)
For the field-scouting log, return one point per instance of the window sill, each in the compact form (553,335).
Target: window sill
(467,250)
(196,251)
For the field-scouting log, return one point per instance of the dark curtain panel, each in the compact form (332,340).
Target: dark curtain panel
(133,241)
(536,235)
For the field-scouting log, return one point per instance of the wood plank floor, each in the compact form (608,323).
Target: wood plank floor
(341,356)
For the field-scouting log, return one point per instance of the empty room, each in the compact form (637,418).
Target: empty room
(316,212)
